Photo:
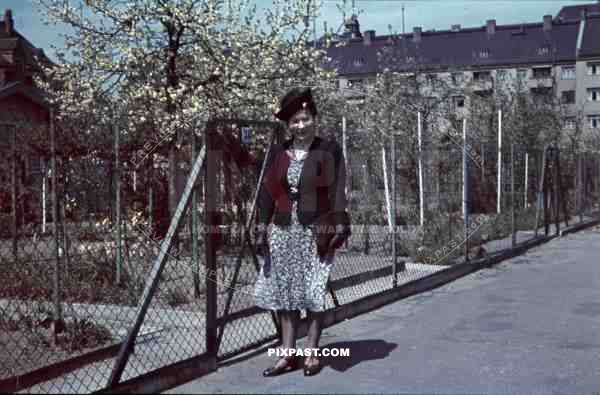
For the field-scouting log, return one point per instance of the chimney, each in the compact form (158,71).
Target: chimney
(455,28)
(491,27)
(368,36)
(417,34)
(547,23)
(8,22)
(352,27)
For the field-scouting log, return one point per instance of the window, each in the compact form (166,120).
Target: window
(522,74)
(542,72)
(356,84)
(358,62)
(541,91)
(484,53)
(456,77)
(543,50)
(484,93)
(593,68)
(458,102)
(481,75)
(567,73)
(570,123)
(594,121)
(594,94)
(568,97)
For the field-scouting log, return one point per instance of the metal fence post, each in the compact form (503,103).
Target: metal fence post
(513,228)
(194,228)
(209,247)
(584,183)
(579,188)
(393,209)
(117,183)
(555,202)
(561,193)
(547,179)
(13,180)
(57,319)
(367,219)
(150,183)
(525,185)
(499,186)
(420,170)
(465,190)
(348,186)
(44,170)
(540,201)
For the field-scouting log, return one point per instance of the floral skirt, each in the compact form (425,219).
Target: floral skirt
(293,276)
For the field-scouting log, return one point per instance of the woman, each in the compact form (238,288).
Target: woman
(302,195)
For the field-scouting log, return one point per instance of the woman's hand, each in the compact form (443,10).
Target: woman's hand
(328,257)
(262,245)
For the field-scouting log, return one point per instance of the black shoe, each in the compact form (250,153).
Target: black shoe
(291,364)
(311,370)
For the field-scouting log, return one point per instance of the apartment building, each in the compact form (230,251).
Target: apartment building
(560,53)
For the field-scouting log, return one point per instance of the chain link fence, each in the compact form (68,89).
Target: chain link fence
(73,280)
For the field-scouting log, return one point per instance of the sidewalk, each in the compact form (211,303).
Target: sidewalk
(530,325)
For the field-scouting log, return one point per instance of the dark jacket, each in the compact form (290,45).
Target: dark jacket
(321,195)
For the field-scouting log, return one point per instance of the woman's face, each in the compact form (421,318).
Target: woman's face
(302,126)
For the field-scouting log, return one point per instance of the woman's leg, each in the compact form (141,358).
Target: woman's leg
(289,326)
(314,332)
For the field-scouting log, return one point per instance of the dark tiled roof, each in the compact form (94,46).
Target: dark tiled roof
(9,42)
(573,12)
(590,46)
(511,44)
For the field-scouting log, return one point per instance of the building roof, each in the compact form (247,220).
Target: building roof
(573,12)
(516,44)
(15,39)
(590,45)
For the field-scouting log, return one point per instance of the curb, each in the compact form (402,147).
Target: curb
(578,227)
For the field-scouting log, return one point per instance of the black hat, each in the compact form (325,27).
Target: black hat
(295,100)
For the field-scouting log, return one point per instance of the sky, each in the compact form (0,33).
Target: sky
(373,15)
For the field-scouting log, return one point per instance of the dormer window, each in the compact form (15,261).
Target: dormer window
(543,50)
(358,62)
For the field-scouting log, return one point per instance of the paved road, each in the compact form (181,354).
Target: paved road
(530,325)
